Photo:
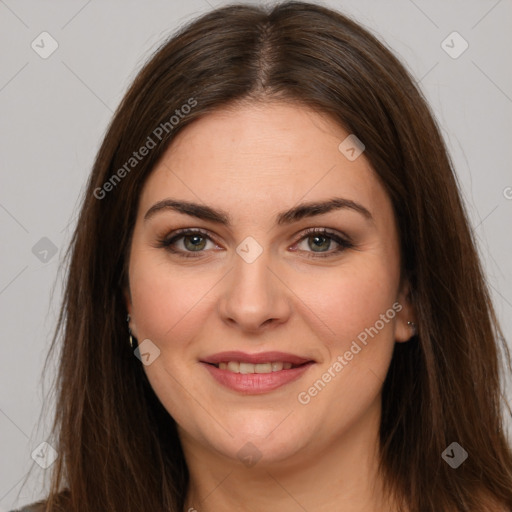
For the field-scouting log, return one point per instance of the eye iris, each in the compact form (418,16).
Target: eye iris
(197,244)
(320,237)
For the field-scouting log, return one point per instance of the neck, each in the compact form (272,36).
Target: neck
(340,476)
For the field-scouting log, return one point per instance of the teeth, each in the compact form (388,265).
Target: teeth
(263,368)
(234,366)
(247,368)
(244,368)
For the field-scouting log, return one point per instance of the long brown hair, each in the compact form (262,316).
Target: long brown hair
(118,447)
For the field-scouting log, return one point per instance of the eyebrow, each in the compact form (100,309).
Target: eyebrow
(218,216)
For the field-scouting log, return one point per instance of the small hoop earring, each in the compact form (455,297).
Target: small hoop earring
(412,325)
(132,344)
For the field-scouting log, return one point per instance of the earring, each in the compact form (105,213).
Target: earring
(413,326)
(132,345)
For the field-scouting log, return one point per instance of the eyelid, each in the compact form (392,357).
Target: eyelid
(325,231)
(167,240)
(340,238)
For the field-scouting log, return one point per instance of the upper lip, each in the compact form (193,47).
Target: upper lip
(261,357)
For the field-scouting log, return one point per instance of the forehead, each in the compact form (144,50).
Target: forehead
(261,158)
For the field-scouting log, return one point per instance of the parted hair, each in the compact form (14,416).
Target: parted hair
(118,447)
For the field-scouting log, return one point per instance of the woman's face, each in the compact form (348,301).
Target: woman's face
(254,281)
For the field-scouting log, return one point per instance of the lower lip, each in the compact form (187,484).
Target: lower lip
(256,383)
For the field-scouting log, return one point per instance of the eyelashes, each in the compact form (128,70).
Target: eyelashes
(316,235)
(321,233)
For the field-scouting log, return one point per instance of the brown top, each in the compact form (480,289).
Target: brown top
(33,507)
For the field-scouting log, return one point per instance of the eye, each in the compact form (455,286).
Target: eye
(191,241)
(194,242)
(322,239)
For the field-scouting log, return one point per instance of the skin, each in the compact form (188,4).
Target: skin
(254,161)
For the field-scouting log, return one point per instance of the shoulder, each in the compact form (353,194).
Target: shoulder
(33,507)
(60,503)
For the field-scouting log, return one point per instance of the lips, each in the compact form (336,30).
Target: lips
(255,373)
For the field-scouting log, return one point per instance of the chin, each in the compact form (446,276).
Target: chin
(252,451)
(267,441)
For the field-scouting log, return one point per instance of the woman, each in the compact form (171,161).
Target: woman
(274,299)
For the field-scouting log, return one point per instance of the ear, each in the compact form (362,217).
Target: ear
(404,331)
(129,309)
(127,299)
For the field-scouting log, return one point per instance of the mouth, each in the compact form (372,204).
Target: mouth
(255,373)
(245,367)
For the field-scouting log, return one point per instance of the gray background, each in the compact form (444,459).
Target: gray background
(54,112)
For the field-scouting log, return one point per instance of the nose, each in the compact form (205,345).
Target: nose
(254,297)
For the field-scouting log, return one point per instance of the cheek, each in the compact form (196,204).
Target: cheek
(167,306)
(347,300)
(359,307)
(166,301)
